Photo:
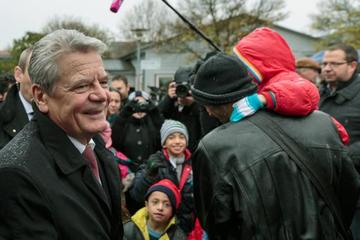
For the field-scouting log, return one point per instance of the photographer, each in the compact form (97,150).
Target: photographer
(179,105)
(136,133)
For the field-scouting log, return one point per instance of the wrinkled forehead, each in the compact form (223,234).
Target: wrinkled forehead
(87,64)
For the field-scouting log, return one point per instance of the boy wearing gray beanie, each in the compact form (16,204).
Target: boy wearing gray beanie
(172,126)
(172,163)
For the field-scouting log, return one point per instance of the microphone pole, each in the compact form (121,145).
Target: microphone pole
(193,27)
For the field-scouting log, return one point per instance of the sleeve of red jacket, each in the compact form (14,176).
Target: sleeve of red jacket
(290,95)
(344,136)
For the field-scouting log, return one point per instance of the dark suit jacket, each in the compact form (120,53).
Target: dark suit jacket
(12,116)
(48,192)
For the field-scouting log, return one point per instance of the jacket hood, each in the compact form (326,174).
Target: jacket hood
(265,53)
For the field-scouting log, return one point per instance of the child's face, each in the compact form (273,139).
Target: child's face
(159,208)
(175,144)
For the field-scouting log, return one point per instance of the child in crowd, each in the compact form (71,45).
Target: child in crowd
(172,162)
(156,221)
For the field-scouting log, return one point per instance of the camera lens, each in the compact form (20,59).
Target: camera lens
(182,90)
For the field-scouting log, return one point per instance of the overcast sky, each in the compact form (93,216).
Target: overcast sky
(20,16)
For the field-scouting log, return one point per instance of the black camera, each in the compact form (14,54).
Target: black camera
(141,106)
(182,79)
(182,89)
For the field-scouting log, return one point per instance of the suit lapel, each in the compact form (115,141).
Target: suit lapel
(110,176)
(67,157)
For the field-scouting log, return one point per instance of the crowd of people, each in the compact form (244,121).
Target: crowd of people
(248,145)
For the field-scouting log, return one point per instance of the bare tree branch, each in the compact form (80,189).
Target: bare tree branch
(225,22)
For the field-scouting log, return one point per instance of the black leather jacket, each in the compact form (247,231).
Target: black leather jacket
(246,187)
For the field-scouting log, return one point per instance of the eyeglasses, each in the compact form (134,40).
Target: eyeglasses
(332,64)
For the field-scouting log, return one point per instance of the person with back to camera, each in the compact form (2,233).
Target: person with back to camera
(271,64)
(268,176)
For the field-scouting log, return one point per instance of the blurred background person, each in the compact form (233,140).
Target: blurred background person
(340,98)
(120,83)
(136,133)
(309,69)
(179,105)
(16,110)
(6,81)
(114,105)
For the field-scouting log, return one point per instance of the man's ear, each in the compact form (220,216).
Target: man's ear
(146,204)
(18,74)
(353,66)
(40,98)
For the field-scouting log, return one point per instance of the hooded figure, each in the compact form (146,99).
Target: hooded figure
(271,63)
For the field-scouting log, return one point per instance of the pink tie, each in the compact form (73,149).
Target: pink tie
(90,158)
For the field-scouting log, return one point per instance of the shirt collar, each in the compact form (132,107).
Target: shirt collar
(81,147)
(28,108)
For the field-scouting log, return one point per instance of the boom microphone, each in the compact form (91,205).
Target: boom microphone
(193,27)
(115,5)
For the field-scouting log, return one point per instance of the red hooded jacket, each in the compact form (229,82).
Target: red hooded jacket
(271,62)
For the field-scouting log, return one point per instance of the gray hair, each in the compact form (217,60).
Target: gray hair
(24,58)
(43,68)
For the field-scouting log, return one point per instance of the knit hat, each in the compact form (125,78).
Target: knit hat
(306,62)
(169,188)
(222,79)
(183,74)
(172,126)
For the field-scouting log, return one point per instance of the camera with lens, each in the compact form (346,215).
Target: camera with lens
(141,106)
(182,79)
(182,89)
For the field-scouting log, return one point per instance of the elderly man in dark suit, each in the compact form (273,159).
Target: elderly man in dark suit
(16,111)
(57,180)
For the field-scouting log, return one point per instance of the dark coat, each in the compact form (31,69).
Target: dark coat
(344,106)
(137,138)
(48,192)
(247,187)
(13,116)
(189,116)
(186,212)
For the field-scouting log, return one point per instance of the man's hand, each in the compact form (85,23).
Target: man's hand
(172,90)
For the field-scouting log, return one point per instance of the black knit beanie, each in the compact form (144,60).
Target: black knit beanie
(222,79)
